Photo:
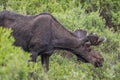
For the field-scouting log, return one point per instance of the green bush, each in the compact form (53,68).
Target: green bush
(13,61)
(76,18)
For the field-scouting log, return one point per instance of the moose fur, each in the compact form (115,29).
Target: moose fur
(42,34)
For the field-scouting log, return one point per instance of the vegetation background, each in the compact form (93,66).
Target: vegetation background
(99,16)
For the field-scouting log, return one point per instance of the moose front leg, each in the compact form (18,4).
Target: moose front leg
(34,56)
(45,62)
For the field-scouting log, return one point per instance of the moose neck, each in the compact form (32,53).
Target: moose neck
(64,39)
(67,43)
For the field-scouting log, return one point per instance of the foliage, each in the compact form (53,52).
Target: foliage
(13,61)
(72,14)
(108,9)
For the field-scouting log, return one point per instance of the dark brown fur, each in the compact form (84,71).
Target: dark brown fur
(41,34)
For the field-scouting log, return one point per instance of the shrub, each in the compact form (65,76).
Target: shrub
(13,61)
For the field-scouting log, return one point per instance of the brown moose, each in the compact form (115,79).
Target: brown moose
(42,34)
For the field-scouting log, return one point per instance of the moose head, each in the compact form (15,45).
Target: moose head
(87,53)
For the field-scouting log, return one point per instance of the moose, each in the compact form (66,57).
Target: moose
(41,34)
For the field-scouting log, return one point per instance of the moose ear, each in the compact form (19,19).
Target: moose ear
(84,40)
(80,33)
(88,44)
